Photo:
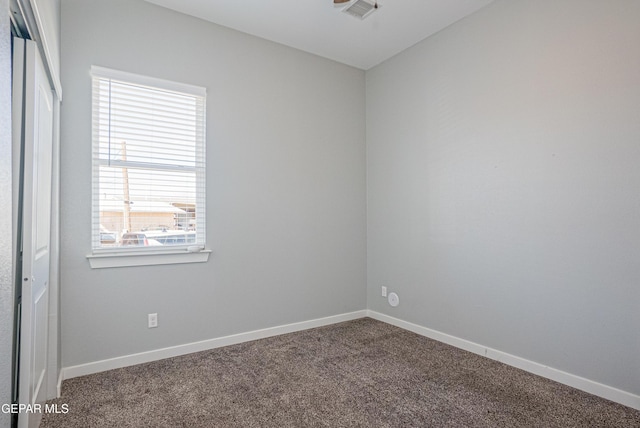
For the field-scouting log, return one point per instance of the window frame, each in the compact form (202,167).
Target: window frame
(145,256)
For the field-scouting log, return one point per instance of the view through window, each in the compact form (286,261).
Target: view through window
(148,162)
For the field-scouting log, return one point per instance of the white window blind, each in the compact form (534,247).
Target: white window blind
(148,163)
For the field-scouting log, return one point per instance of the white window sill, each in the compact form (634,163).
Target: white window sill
(124,259)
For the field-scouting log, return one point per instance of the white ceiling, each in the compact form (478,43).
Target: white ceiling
(319,27)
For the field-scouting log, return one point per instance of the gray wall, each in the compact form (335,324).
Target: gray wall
(285,176)
(503,183)
(6,248)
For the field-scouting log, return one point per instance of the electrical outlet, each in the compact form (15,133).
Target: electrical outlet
(153,320)
(384,291)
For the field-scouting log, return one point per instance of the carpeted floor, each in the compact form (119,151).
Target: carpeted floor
(361,373)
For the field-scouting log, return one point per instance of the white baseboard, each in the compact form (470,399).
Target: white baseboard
(590,386)
(59,384)
(188,348)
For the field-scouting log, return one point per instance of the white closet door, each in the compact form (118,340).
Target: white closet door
(35,107)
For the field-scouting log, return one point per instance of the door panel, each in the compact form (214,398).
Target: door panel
(36,145)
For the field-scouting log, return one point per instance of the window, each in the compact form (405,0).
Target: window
(148,168)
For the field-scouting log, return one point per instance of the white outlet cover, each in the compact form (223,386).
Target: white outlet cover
(393,299)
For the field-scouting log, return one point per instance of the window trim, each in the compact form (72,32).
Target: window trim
(147,258)
(139,79)
(116,257)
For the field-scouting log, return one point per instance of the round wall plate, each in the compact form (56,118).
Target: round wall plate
(393,299)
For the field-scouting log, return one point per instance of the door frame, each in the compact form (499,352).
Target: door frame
(27,22)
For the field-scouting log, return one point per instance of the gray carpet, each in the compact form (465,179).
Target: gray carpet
(361,373)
